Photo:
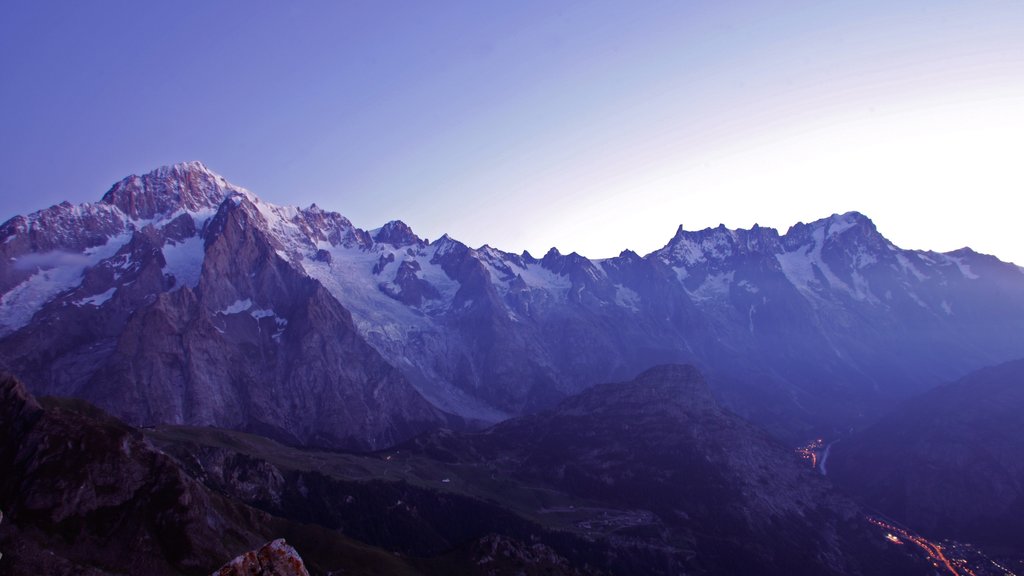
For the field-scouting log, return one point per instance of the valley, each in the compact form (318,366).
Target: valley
(951,558)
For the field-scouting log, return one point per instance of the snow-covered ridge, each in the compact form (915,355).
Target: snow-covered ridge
(47,252)
(189,186)
(807,270)
(428,307)
(691,248)
(343,257)
(307,236)
(839,223)
(52,273)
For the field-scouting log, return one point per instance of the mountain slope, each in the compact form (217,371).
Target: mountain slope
(83,493)
(649,476)
(88,494)
(201,321)
(722,495)
(820,328)
(950,463)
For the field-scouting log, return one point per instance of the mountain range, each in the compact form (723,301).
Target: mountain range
(216,372)
(179,298)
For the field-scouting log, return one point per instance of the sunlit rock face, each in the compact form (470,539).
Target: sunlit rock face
(275,558)
(182,298)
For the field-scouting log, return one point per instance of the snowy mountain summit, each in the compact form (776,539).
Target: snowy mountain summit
(181,298)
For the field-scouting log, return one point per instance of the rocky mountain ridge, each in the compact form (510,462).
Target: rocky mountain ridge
(192,316)
(820,327)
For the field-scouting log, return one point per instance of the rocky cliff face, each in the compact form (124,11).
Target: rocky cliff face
(226,310)
(82,493)
(86,494)
(197,318)
(950,462)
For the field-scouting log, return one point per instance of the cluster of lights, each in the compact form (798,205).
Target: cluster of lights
(934,551)
(809,452)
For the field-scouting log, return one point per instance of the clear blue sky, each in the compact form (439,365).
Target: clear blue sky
(593,126)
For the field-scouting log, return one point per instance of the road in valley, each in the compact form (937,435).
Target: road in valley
(932,550)
(824,458)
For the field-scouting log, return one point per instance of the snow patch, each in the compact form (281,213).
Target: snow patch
(540,278)
(681,273)
(965,269)
(714,287)
(863,258)
(279,323)
(56,272)
(434,275)
(98,299)
(237,306)
(262,313)
(861,289)
(22,302)
(841,223)
(184,261)
(908,267)
(627,298)
(746,285)
(917,299)
(800,265)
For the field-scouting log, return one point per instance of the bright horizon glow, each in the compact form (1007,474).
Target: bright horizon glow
(594,127)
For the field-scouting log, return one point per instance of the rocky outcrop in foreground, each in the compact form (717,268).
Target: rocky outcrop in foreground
(85,494)
(275,558)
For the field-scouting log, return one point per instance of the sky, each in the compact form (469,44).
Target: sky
(591,126)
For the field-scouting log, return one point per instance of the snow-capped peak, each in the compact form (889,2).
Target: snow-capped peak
(837,224)
(189,186)
(396,233)
(689,248)
(446,245)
